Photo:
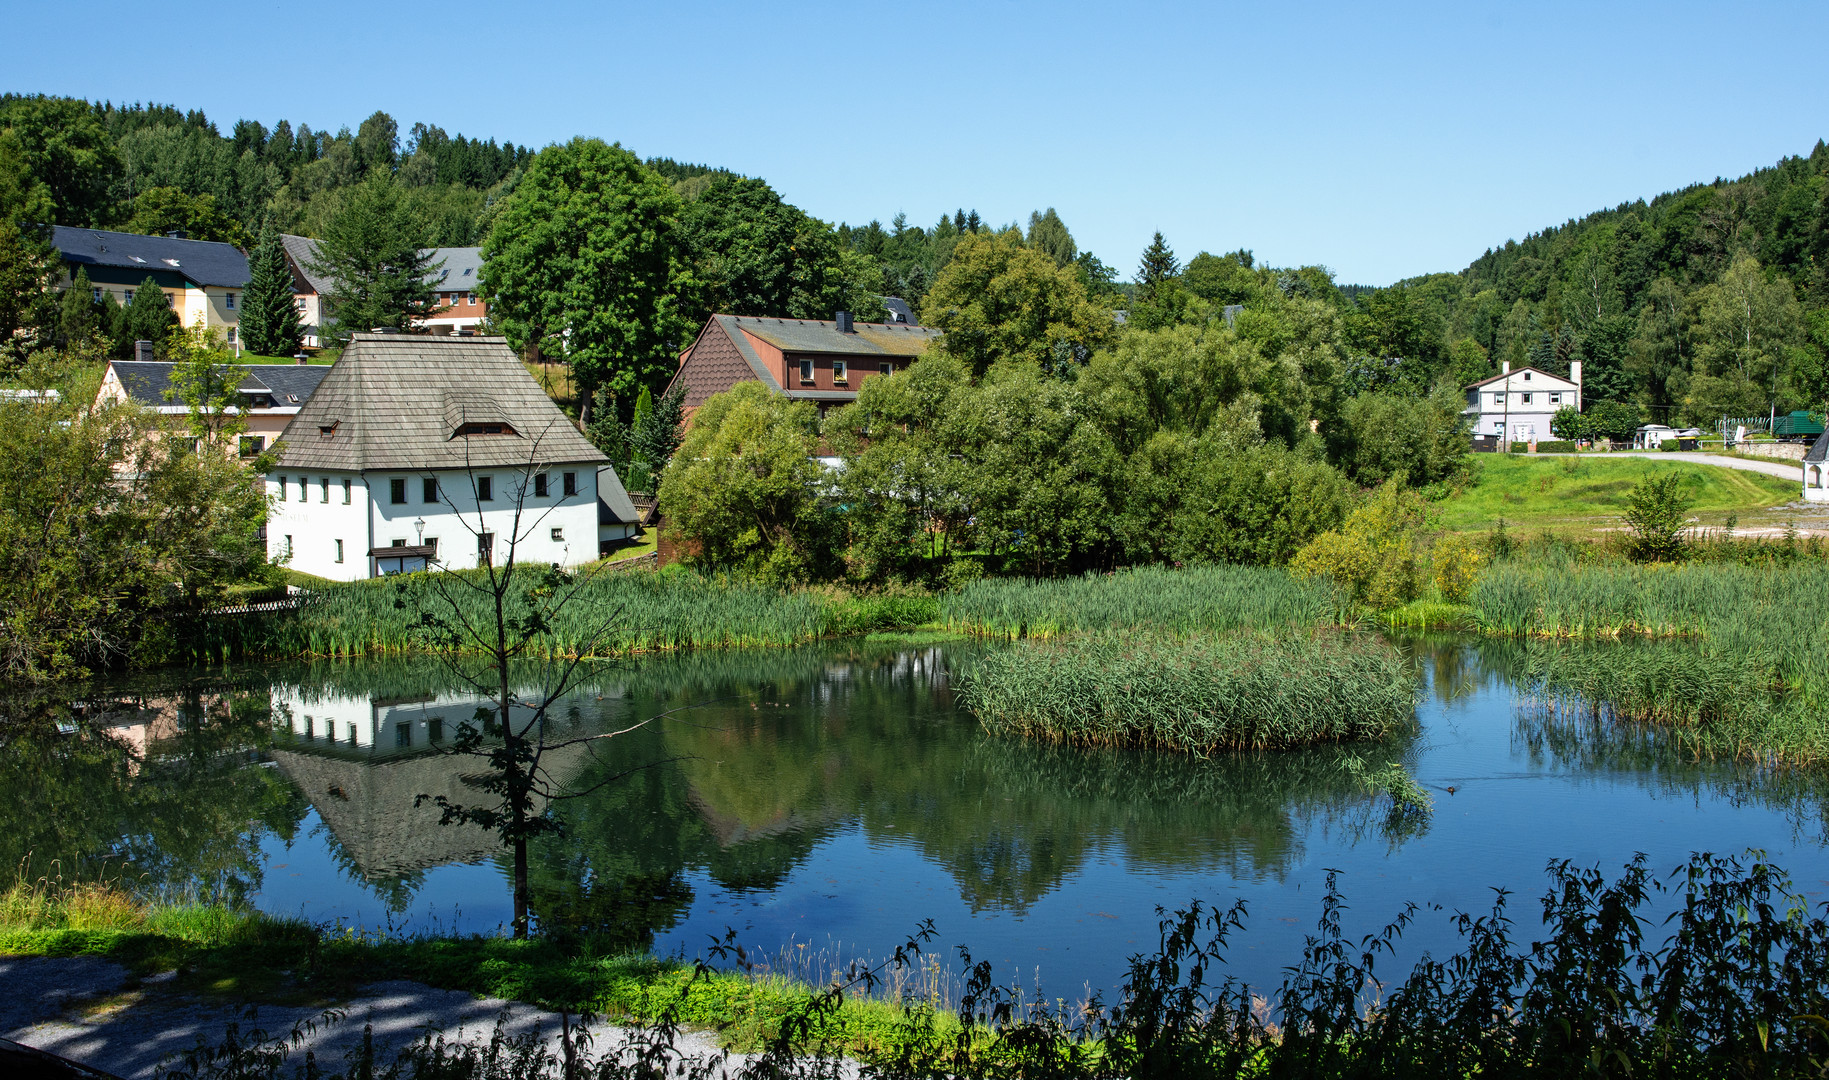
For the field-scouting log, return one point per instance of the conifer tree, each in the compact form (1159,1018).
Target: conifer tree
(373,253)
(1159,267)
(150,317)
(269,317)
(78,320)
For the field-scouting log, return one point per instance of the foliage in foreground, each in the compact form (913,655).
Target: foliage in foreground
(1734,989)
(1195,693)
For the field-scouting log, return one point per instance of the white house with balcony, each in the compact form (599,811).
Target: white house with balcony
(420,451)
(1517,405)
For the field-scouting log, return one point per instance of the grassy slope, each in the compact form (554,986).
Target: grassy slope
(1580,494)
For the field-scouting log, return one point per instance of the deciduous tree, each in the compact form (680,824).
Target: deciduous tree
(999,300)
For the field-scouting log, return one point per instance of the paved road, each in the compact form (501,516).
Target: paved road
(93,1011)
(1784,469)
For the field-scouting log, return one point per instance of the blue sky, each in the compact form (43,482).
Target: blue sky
(1382,141)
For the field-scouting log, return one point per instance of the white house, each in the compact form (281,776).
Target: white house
(419,450)
(1816,470)
(1519,404)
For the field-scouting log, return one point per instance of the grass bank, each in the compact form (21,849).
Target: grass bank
(1197,693)
(1590,491)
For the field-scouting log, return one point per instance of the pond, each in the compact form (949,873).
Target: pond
(823,801)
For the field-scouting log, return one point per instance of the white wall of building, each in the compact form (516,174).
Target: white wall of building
(554,528)
(1534,398)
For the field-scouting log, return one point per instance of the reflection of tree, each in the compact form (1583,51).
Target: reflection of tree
(89,803)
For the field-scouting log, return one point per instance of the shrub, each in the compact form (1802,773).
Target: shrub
(1456,563)
(1657,514)
(1556,446)
(1380,437)
(1372,555)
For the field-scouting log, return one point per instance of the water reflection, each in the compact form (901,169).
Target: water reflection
(764,760)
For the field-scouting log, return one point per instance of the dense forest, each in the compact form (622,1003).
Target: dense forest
(1702,302)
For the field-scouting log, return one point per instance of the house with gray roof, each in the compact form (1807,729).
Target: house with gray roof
(202,280)
(418,451)
(804,359)
(271,394)
(458,273)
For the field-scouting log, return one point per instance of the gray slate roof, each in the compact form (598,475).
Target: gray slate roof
(899,311)
(205,262)
(462,271)
(303,251)
(291,384)
(613,503)
(1819,450)
(392,401)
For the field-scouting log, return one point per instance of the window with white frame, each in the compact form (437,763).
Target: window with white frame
(838,372)
(806,371)
(1555,397)
(229,301)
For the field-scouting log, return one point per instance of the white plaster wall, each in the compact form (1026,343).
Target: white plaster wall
(315,525)
(453,520)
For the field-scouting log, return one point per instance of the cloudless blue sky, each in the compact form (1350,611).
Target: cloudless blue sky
(1380,140)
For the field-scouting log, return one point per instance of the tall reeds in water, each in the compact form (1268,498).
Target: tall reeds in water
(653,612)
(1195,598)
(1195,693)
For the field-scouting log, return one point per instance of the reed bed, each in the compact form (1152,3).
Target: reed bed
(1194,598)
(1196,693)
(644,612)
(1716,703)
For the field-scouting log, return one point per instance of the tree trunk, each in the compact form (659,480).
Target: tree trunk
(520,887)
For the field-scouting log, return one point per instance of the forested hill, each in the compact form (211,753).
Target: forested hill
(1706,301)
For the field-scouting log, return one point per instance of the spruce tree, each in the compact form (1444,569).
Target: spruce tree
(1158,268)
(150,317)
(372,253)
(78,320)
(269,317)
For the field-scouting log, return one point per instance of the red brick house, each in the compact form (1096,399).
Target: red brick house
(805,359)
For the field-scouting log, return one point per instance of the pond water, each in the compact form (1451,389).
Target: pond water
(823,801)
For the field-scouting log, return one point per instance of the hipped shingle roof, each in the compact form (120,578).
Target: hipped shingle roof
(395,401)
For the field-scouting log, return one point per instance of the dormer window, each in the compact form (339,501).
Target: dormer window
(327,430)
(838,371)
(806,371)
(488,428)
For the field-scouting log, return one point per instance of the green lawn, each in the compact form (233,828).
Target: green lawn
(1580,493)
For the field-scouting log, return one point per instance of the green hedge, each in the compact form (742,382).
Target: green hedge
(1556,446)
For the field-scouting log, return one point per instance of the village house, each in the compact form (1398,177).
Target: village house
(461,310)
(419,450)
(803,359)
(271,394)
(203,281)
(1518,405)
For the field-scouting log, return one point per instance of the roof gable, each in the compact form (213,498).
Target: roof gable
(302,252)
(1567,384)
(1819,450)
(396,402)
(205,262)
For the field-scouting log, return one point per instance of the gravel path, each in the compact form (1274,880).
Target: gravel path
(1784,470)
(94,1012)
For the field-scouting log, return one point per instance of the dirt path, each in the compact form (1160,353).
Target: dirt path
(94,1012)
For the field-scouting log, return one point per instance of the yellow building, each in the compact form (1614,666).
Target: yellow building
(203,281)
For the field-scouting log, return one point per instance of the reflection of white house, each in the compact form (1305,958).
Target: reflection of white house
(1816,470)
(350,722)
(1519,404)
(419,449)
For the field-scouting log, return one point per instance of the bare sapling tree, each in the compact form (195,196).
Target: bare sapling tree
(492,627)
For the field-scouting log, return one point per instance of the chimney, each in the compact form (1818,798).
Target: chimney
(142,350)
(844,322)
(1575,377)
(178,234)
(301,358)
(1505,367)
